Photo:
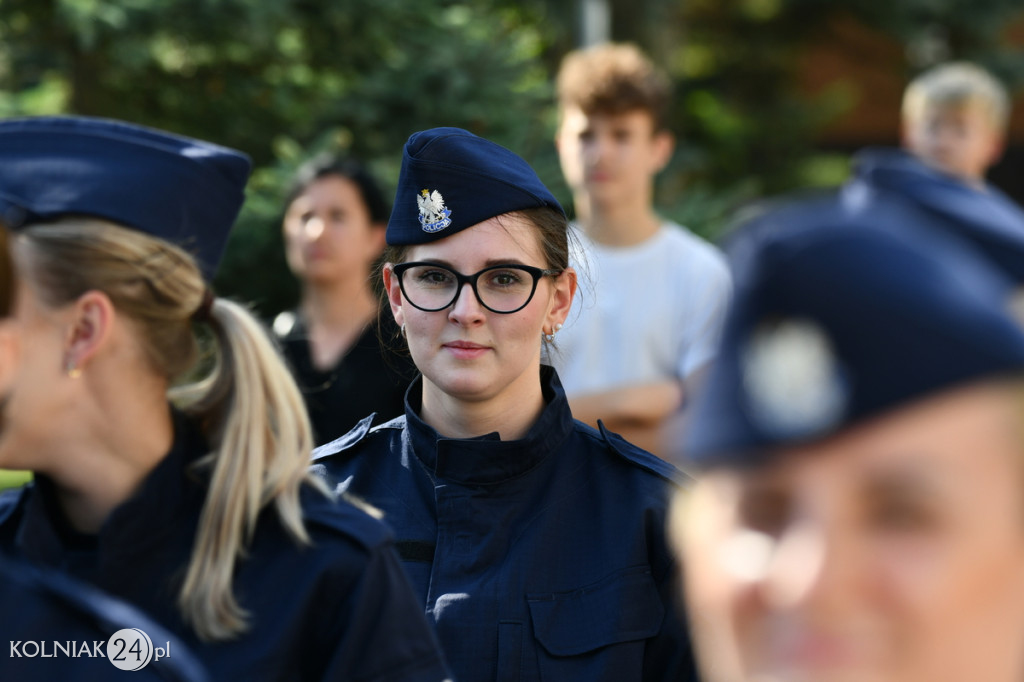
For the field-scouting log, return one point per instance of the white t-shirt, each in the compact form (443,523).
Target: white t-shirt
(642,313)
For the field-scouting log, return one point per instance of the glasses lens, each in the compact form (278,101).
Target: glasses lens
(505,289)
(429,286)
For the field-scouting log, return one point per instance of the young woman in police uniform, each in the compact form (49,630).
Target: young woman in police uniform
(534,542)
(202,514)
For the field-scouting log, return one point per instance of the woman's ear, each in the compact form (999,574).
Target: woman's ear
(564,291)
(91,321)
(394,293)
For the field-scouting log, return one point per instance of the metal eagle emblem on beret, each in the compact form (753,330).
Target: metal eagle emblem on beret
(434,215)
(792,380)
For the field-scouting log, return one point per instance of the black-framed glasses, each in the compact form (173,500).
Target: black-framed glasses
(499,288)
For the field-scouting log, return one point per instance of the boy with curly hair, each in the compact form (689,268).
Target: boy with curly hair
(653,293)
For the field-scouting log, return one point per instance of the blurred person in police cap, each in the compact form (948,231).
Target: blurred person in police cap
(859,512)
(985,220)
(180,487)
(535,543)
(44,607)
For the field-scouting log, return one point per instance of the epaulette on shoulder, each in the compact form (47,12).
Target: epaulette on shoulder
(346,518)
(347,446)
(347,441)
(642,458)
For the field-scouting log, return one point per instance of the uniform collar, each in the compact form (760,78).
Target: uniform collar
(153,511)
(488,459)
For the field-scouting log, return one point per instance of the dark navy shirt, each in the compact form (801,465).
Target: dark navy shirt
(537,559)
(341,609)
(368,377)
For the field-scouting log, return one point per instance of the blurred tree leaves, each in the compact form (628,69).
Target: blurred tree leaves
(281,80)
(749,129)
(285,79)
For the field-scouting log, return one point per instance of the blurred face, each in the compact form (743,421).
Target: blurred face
(32,389)
(613,158)
(891,553)
(9,361)
(466,351)
(328,232)
(958,139)
(8,331)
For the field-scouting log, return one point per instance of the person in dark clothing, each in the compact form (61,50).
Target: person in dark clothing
(53,626)
(857,511)
(987,221)
(535,543)
(182,488)
(338,344)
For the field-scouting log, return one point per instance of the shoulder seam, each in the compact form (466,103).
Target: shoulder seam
(641,458)
(335,519)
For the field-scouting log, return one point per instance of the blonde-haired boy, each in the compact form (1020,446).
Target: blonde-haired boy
(955,117)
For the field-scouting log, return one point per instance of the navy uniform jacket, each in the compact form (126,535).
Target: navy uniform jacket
(341,609)
(536,559)
(46,610)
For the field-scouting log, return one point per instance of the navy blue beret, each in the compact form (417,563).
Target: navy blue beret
(986,218)
(838,316)
(451,179)
(182,190)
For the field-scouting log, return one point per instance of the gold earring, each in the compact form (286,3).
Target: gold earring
(72,371)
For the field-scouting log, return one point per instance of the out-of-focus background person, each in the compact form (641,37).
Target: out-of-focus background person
(857,512)
(954,118)
(630,354)
(338,344)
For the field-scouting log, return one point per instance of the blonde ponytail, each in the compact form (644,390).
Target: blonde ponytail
(249,407)
(253,410)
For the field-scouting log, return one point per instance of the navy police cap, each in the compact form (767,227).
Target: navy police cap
(986,218)
(837,317)
(451,179)
(182,190)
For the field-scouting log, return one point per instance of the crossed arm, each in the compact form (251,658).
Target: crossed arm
(650,415)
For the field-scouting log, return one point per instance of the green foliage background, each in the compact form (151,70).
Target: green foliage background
(285,79)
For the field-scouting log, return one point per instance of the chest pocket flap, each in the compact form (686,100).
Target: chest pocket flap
(623,607)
